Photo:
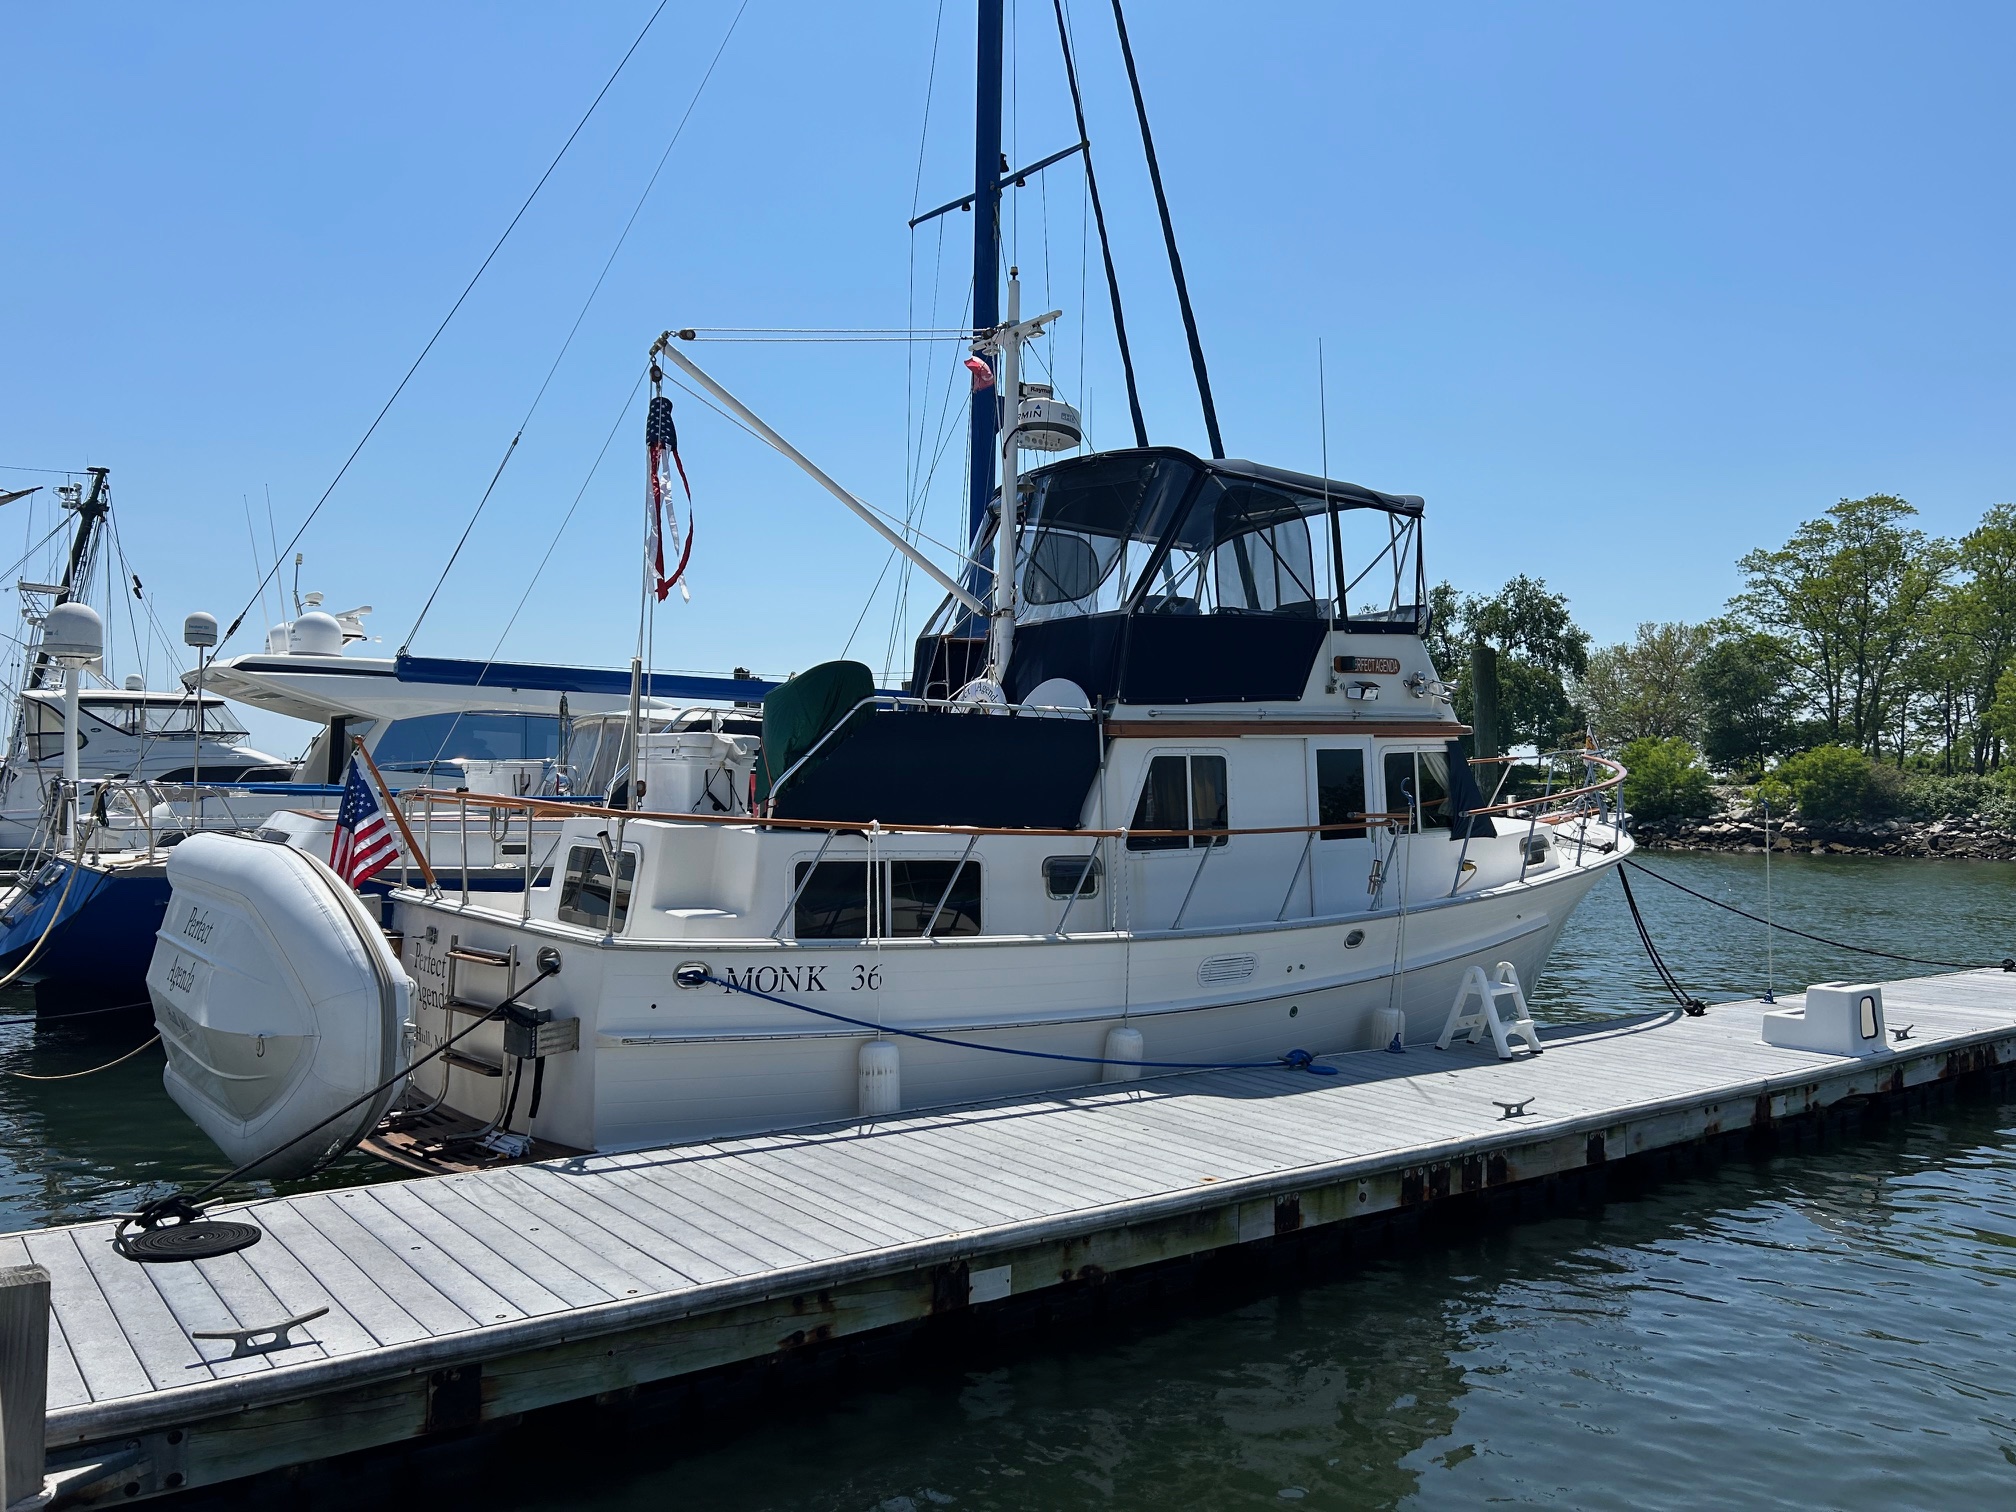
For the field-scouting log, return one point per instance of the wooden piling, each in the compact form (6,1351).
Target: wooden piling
(24,1379)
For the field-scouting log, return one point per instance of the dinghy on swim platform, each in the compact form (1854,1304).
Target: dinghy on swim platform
(279,1002)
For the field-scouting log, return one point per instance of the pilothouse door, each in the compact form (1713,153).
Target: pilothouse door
(1340,857)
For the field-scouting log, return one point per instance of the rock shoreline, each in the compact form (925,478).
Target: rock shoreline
(1936,839)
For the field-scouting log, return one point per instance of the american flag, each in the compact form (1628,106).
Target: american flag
(661,446)
(363,845)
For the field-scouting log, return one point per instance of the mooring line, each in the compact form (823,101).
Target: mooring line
(1293,1060)
(1690,1005)
(2007,964)
(73,1075)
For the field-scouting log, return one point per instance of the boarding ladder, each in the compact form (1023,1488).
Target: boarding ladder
(1489,991)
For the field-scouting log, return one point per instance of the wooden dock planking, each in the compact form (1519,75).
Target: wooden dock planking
(589,1274)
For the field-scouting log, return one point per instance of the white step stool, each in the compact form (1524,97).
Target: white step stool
(1503,983)
(1839,1018)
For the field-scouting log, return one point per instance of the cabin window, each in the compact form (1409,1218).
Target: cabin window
(833,901)
(1071,876)
(123,717)
(585,894)
(1181,793)
(1417,783)
(916,889)
(174,719)
(1340,794)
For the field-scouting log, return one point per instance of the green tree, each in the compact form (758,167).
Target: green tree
(1665,779)
(1540,648)
(1747,689)
(1646,688)
(1999,718)
(1941,684)
(1846,594)
(1831,782)
(1982,612)
(1448,638)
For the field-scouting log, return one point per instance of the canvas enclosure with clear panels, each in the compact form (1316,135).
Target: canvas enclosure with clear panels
(1159,531)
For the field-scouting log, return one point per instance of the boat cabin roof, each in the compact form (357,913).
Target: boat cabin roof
(150,697)
(1151,493)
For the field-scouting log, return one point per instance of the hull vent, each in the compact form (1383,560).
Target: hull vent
(1220,970)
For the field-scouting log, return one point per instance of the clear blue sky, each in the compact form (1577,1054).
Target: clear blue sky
(1621,292)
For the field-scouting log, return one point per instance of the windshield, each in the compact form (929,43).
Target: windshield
(415,743)
(1088,529)
(1103,535)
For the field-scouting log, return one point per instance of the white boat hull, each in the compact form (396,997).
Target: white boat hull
(659,1063)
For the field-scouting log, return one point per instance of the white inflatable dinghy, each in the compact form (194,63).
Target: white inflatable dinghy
(279,1000)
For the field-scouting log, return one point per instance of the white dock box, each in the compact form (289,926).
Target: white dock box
(1840,1018)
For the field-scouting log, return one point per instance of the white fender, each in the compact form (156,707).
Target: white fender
(279,1000)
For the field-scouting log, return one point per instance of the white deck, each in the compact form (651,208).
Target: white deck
(435,1271)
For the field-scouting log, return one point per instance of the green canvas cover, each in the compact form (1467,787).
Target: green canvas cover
(799,712)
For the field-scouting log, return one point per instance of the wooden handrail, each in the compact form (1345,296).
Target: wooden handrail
(1617,768)
(538,808)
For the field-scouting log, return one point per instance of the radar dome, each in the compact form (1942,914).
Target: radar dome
(315,634)
(73,635)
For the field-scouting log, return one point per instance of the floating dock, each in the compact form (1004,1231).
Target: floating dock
(449,1302)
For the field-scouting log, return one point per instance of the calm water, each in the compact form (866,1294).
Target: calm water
(1830,1329)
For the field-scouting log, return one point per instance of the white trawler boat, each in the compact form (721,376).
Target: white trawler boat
(1209,821)
(1155,797)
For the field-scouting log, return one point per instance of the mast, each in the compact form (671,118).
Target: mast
(1006,346)
(1001,634)
(987,169)
(90,512)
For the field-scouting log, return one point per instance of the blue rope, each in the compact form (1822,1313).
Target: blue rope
(1294,1060)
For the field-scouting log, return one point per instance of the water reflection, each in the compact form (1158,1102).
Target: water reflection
(1826,1330)
(1829,1329)
(102,1143)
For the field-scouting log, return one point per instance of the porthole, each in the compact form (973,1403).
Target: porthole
(1354,939)
(1293,1009)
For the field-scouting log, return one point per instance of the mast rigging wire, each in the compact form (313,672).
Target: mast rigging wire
(560,530)
(1169,238)
(575,329)
(899,522)
(1105,245)
(239,618)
